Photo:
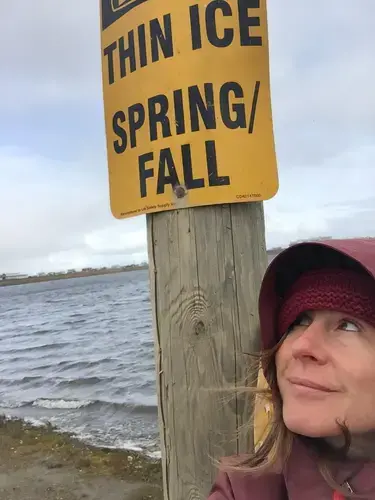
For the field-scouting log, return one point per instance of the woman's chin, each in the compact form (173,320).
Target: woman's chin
(310,424)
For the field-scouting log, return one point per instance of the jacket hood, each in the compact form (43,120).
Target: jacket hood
(356,254)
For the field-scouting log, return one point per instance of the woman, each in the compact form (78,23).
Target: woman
(317,318)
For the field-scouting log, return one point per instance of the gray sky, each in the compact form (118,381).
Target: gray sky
(53,172)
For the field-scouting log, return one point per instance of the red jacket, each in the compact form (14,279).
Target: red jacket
(301,480)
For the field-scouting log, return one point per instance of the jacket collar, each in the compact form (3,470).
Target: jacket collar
(304,480)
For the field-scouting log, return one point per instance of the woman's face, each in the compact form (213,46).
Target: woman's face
(326,373)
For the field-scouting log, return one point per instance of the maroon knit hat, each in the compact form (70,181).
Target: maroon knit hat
(357,255)
(342,290)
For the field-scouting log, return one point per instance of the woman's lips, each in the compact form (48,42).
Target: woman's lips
(309,385)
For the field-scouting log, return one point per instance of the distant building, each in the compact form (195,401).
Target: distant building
(14,276)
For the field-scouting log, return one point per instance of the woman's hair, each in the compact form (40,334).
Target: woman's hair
(272,453)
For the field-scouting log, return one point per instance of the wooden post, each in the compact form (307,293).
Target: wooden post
(189,124)
(206,265)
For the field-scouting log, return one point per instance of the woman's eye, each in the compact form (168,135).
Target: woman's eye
(302,320)
(349,326)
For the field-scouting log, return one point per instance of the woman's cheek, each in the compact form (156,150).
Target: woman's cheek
(283,355)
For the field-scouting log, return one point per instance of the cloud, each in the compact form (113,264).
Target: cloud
(56,216)
(322,70)
(51,53)
(53,174)
(335,198)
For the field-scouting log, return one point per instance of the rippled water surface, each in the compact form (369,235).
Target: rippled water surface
(79,353)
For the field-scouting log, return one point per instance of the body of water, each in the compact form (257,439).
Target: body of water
(79,353)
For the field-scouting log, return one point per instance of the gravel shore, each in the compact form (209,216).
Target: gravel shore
(38,463)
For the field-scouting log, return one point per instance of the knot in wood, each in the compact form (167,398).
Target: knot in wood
(199,328)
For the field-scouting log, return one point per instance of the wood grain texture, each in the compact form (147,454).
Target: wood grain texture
(206,266)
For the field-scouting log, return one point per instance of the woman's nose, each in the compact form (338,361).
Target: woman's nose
(310,343)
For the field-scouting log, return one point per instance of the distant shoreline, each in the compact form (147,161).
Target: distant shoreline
(71,275)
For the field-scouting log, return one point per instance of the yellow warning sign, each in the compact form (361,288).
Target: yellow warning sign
(187,103)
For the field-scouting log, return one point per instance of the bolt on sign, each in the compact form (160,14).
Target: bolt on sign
(187,103)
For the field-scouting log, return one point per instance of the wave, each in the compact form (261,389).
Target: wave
(11,335)
(55,345)
(76,404)
(84,381)
(60,404)
(69,364)
(146,446)
(59,381)
(72,322)
(41,332)
(22,380)
(50,404)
